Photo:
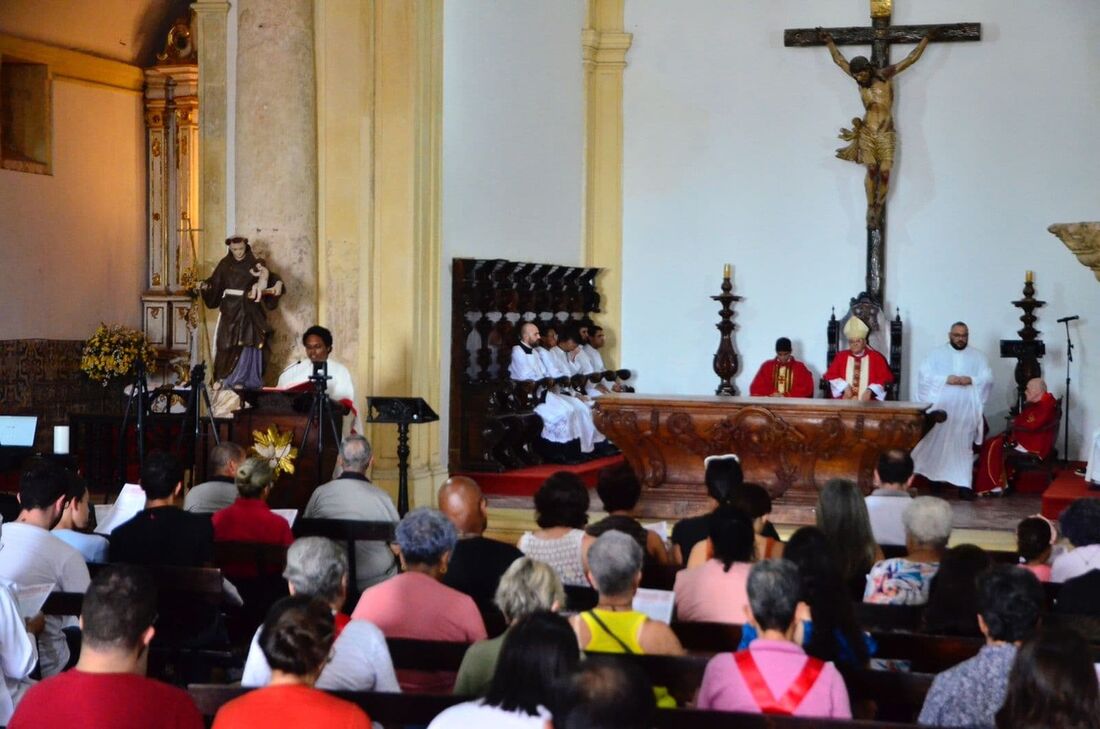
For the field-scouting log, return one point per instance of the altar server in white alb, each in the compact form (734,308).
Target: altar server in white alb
(562,420)
(955,378)
(1092,470)
(318,343)
(556,363)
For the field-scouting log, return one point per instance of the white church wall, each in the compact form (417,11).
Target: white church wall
(73,242)
(513,138)
(729,142)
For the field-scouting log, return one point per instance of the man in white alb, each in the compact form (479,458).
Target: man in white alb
(955,378)
(556,363)
(318,343)
(562,420)
(1092,470)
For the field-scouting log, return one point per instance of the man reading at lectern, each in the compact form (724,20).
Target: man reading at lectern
(318,343)
(858,373)
(783,376)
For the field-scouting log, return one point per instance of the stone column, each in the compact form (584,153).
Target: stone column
(276,145)
(211,17)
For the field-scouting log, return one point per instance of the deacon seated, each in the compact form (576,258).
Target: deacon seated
(592,347)
(1030,432)
(783,376)
(556,363)
(318,343)
(955,378)
(859,373)
(566,421)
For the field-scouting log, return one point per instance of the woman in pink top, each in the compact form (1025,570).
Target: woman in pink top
(415,604)
(715,590)
(774,676)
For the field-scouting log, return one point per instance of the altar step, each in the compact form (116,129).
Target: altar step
(526,481)
(1067,487)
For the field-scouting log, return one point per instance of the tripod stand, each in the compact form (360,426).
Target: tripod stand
(199,394)
(320,412)
(139,397)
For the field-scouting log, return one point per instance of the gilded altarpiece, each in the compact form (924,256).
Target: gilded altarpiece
(171,120)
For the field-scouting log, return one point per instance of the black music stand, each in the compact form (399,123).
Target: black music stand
(403,411)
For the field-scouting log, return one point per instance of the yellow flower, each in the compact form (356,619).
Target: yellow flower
(276,448)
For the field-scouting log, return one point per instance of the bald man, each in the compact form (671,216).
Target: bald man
(1033,431)
(478,562)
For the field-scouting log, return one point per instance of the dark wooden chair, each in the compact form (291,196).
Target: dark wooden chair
(659,576)
(578,599)
(1018,462)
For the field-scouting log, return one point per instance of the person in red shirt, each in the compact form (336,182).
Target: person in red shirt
(1030,432)
(859,372)
(297,640)
(783,376)
(108,689)
(250,519)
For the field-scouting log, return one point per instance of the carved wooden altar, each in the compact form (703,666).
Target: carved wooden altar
(792,446)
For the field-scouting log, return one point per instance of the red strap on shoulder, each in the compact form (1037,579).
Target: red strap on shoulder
(762,695)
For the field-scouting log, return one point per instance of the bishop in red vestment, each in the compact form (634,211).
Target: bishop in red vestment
(859,372)
(1031,431)
(783,376)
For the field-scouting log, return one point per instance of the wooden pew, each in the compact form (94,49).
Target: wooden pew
(347,531)
(397,709)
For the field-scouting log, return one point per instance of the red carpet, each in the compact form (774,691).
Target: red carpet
(526,481)
(1067,487)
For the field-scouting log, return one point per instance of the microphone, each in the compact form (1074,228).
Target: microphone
(1064,319)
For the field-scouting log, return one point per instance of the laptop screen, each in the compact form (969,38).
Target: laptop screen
(17,431)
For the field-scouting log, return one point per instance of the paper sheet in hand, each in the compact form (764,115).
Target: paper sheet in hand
(289,514)
(656,604)
(31,598)
(130,501)
(660,527)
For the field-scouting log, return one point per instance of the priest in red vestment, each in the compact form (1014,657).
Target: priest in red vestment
(783,376)
(858,372)
(1032,431)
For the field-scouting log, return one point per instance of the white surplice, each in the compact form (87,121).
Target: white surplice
(1092,472)
(339,387)
(562,419)
(945,453)
(556,364)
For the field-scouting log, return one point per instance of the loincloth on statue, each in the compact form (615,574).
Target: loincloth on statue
(867,147)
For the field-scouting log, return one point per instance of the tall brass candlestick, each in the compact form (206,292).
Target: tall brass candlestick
(725,359)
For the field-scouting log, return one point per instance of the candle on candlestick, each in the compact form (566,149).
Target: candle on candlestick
(726,270)
(61,439)
(1030,277)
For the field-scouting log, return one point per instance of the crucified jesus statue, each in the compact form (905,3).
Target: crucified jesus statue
(871,140)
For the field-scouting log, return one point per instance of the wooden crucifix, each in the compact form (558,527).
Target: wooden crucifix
(871,140)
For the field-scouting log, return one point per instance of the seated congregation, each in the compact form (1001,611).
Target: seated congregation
(868,614)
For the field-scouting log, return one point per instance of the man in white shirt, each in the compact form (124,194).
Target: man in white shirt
(220,490)
(73,526)
(562,421)
(352,496)
(955,378)
(1092,469)
(18,656)
(318,343)
(885,505)
(30,555)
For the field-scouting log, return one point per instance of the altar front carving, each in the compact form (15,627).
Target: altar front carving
(790,446)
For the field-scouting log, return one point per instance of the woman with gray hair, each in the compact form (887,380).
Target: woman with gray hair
(614,626)
(527,587)
(775,676)
(415,604)
(318,567)
(906,580)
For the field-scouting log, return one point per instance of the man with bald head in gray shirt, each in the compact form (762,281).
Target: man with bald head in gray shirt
(353,496)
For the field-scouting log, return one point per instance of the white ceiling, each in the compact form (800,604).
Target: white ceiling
(132,31)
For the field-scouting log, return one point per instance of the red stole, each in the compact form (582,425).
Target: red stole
(762,695)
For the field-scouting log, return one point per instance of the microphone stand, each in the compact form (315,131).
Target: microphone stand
(1065,407)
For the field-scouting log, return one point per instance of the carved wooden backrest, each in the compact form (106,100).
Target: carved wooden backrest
(867,309)
(490,300)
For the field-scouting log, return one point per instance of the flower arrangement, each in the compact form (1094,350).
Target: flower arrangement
(276,448)
(112,352)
